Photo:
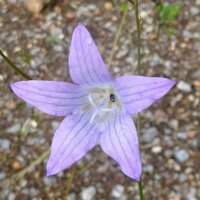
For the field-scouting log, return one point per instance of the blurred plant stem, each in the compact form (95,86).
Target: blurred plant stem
(24,171)
(70,180)
(36,162)
(138,24)
(117,36)
(19,71)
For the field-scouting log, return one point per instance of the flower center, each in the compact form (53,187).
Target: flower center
(101,102)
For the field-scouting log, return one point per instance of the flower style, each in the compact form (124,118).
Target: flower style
(97,109)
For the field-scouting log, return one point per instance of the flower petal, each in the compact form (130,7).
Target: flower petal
(85,63)
(52,97)
(72,140)
(120,141)
(139,92)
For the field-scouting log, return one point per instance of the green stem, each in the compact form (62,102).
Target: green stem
(14,66)
(24,171)
(117,36)
(70,180)
(138,24)
(140,187)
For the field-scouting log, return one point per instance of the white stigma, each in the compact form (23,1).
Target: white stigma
(102,100)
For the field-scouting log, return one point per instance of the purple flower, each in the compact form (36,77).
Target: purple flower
(97,109)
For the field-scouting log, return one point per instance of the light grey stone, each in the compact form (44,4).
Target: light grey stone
(149,134)
(181,155)
(156,149)
(88,193)
(182,135)
(49,181)
(194,10)
(71,196)
(174,124)
(58,33)
(184,86)
(192,194)
(2,176)
(5,144)
(117,191)
(148,168)
(14,128)
(55,124)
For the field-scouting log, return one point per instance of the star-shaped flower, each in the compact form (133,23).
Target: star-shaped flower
(97,109)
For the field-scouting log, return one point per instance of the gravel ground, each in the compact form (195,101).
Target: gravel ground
(38,42)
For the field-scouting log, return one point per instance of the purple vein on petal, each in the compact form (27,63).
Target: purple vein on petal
(131,167)
(130,87)
(82,139)
(100,78)
(128,140)
(50,103)
(45,95)
(73,138)
(146,90)
(111,141)
(72,128)
(77,56)
(84,58)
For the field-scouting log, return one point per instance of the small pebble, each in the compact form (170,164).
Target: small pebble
(34,6)
(16,165)
(149,134)
(182,135)
(14,128)
(117,191)
(71,196)
(183,86)
(2,176)
(5,144)
(181,155)
(156,149)
(88,193)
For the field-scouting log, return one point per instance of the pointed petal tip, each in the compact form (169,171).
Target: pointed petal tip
(173,82)
(13,86)
(134,176)
(137,178)
(80,25)
(48,173)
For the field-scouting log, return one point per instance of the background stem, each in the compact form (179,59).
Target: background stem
(14,66)
(138,24)
(117,37)
(140,187)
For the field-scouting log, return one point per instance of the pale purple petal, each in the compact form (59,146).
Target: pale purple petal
(72,140)
(85,63)
(120,141)
(52,97)
(139,92)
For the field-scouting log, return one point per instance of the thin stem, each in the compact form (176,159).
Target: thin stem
(70,181)
(138,24)
(132,2)
(24,171)
(140,187)
(14,66)
(117,36)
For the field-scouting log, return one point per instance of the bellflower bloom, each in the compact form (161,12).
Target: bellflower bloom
(97,109)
